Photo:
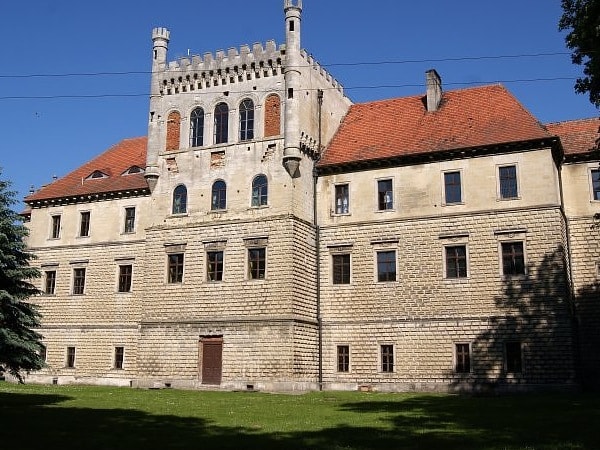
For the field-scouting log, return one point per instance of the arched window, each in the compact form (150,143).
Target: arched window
(272,116)
(180,200)
(197,128)
(173,130)
(221,123)
(246,120)
(259,190)
(219,195)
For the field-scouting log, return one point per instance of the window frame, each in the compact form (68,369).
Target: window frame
(458,276)
(215,275)
(503,271)
(125,280)
(119,357)
(50,282)
(254,273)
(459,358)
(343,358)
(382,204)
(71,357)
(500,182)
(55,226)
(221,123)
(179,200)
(594,184)
(339,197)
(197,127)
(445,191)
(85,218)
(260,192)
(246,120)
(345,276)
(175,267)
(518,369)
(218,202)
(387,359)
(79,279)
(129,220)
(378,264)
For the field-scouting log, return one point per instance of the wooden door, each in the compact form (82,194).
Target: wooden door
(212,360)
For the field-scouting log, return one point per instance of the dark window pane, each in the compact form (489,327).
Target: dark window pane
(219,195)
(343,358)
(342,202)
(452,187)
(514,361)
(387,358)
(50,284)
(119,356)
(513,260)
(386,266)
(246,120)
(596,184)
(78,281)
(214,268)
(463,358)
(197,128)
(125,273)
(55,234)
(70,357)
(385,195)
(508,182)
(341,269)
(256,263)
(221,123)
(456,261)
(129,220)
(180,200)
(84,226)
(259,191)
(176,268)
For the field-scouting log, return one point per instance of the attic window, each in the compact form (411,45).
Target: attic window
(133,169)
(96,174)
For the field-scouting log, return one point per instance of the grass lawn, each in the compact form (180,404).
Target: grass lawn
(90,417)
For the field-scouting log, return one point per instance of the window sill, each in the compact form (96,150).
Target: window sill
(453,204)
(177,215)
(335,214)
(508,199)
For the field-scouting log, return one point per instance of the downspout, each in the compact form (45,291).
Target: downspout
(318,242)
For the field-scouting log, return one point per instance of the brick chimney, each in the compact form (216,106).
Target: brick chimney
(434,90)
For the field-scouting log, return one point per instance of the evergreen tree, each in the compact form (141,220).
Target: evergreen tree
(20,345)
(581,19)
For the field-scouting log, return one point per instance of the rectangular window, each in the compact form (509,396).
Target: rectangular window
(43,352)
(50,283)
(78,281)
(257,263)
(84,224)
(71,357)
(125,275)
(176,268)
(456,261)
(513,356)
(214,266)
(508,182)
(385,195)
(342,202)
(343,358)
(463,358)
(386,265)
(129,220)
(452,188)
(341,269)
(513,259)
(119,356)
(55,232)
(387,358)
(596,184)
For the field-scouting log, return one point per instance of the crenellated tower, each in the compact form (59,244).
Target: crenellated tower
(293,78)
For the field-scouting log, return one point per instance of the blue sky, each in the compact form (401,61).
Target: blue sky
(379,49)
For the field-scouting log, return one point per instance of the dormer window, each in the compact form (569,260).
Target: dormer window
(133,169)
(96,174)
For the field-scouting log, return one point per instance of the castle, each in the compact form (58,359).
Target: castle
(269,234)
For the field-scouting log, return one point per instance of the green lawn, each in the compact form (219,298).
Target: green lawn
(86,418)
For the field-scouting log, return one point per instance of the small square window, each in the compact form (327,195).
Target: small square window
(341,268)
(596,184)
(452,188)
(175,262)
(84,224)
(342,201)
(343,358)
(385,195)
(119,357)
(129,220)
(214,266)
(79,281)
(513,357)
(513,258)
(50,282)
(387,358)
(70,357)
(507,176)
(256,263)
(462,358)
(55,232)
(386,265)
(125,276)
(456,261)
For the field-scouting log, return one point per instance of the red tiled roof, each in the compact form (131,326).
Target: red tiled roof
(113,162)
(466,118)
(577,136)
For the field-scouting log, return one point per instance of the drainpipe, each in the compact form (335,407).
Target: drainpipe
(318,241)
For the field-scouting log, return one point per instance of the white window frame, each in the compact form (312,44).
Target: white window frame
(334,210)
(498,182)
(462,187)
(377,180)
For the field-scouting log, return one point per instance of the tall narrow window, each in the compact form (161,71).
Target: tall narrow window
(508,182)
(385,195)
(257,263)
(79,281)
(513,259)
(175,268)
(246,120)
(180,200)
(84,224)
(221,123)
(386,265)
(43,352)
(387,358)
(462,358)
(125,275)
(119,357)
(129,220)
(219,195)
(456,261)
(342,202)
(50,283)
(452,188)
(513,357)
(259,191)
(214,266)
(596,184)
(70,357)
(341,268)
(55,231)
(197,128)
(343,358)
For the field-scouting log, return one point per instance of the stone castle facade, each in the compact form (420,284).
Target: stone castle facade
(270,234)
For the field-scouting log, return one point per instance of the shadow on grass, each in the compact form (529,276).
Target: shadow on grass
(414,422)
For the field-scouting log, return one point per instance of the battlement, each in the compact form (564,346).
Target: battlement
(290,4)
(321,71)
(161,33)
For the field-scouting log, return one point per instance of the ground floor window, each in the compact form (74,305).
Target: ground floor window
(387,358)
(343,358)
(513,357)
(462,358)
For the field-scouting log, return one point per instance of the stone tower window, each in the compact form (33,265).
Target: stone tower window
(197,128)
(246,120)
(260,188)
(221,123)
(219,195)
(272,116)
(173,130)
(180,200)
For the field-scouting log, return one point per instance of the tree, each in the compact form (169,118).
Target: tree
(20,345)
(581,19)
